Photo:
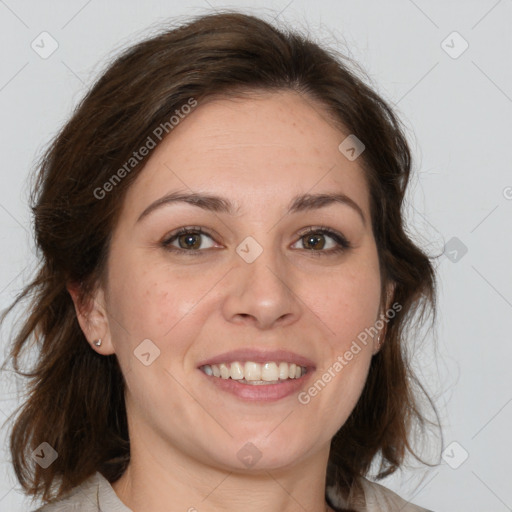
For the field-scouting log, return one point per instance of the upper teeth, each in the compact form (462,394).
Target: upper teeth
(251,371)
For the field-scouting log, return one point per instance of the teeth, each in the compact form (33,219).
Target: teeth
(236,371)
(224,371)
(255,373)
(258,382)
(269,372)
(252,371)
(283,371)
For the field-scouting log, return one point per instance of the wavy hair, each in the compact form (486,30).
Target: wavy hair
(75,399)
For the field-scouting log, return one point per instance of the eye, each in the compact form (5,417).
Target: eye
(190,239)
(317,240)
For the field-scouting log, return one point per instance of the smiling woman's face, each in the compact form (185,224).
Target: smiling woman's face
(248,277)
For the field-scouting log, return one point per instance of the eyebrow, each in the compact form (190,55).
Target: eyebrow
(301,203)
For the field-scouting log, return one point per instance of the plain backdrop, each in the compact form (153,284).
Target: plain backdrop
(445,65)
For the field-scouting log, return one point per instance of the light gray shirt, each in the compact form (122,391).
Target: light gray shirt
(97,495)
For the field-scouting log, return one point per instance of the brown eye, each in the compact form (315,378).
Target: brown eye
(314,241)
(190,240)
(323,241)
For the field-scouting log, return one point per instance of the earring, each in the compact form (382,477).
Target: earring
(98,342)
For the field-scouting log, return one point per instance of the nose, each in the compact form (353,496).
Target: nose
(261,293)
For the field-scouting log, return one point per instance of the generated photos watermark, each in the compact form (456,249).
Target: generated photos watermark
(343,360)
(150,143)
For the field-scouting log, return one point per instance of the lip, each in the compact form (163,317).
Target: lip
(260,356)
(263,393)
(266,392)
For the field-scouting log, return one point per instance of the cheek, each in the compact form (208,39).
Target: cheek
(348,303)
(154,302)
(354,310)
(145,306)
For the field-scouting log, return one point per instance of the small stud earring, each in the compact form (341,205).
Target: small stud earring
(98,342)
(379,343)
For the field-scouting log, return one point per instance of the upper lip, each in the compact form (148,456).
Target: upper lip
(259,356)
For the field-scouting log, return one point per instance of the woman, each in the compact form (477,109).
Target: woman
(225,284)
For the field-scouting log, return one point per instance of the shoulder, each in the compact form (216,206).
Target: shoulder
(83,498)
(93,495)
(380,498)
(377,498)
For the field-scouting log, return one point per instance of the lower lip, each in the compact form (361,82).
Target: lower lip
(263,392)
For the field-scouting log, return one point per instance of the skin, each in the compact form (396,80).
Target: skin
(185,433)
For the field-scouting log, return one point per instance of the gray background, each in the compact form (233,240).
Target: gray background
(457,108)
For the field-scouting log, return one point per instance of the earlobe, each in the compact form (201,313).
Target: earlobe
(377,344)
(91,314)
(390,292)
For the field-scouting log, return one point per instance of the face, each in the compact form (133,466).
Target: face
(263,275)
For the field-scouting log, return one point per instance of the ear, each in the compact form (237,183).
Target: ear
(92,316)
(390,293)
(380,339)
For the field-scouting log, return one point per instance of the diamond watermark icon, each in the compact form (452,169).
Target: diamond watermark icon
(44,455)
(249,249)
(455,249)
(44,45)
(455,455)
(146,352)
(249,454)
(351,147)
(454,45)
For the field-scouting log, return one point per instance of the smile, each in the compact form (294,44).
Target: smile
(253,373)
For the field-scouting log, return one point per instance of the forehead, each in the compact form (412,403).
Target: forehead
(263,149)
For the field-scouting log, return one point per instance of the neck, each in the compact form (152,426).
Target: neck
(165,480)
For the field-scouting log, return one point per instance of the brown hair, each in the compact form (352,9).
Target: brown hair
(76,396)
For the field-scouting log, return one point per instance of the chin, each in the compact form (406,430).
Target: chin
(262,452)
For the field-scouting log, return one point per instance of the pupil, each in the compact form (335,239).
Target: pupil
(315,240)
(190,242)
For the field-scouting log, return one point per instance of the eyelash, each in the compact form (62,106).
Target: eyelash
(343,243)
